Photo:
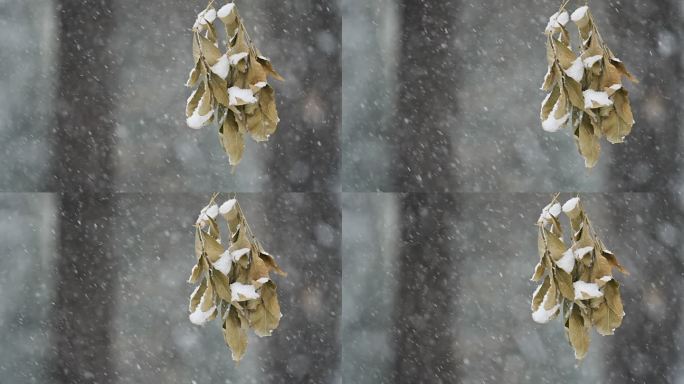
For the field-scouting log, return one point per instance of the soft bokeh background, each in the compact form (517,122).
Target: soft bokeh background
(140,302)
(380,96)
(436,289)
(444,96)
(140,55)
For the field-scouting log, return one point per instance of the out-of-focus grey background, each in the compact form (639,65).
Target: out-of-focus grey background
(444,96)
(436,289)
(427,97)
(119,315)
(136,56)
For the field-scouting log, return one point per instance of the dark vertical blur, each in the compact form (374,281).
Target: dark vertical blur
(646,348)
(423,329)
(423,333)
(654,147)
(84,137)
(85,296)
(82,176)
(304,156)
(306,346)
(421,140)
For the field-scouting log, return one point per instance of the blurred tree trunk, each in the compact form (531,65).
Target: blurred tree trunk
(645,348)
(656,137)
(82,176)
(308,351)
(426,97)
(305,157)
(423,327)
(424,330)
(305,153)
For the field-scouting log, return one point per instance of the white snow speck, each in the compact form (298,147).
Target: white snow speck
(551,210)
(202,218)
(213,211)
(576,70)
(198,21)
(567,261)
(571,204)
(210,15)
(244,94)
(542,315)
(584,290)
(227,206)
(221,67)
(579,13)
(596,99)
(224,263)
(579,253)
(557,20)
(237,255)
(197,121)
(555,210)
(234,59)
(589,61)
(551,124)
(203,18)
(199,317)
(225,10)
(242,292)
(544,216)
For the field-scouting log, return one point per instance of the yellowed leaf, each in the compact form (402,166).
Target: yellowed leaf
(539,294)
(235,334)
(574,91)
(219,89)
(221,285)
(207,300)
(196,273)
(212,248)
(623,107)
(209,51)
(258,269)
(538,272)
(197,296)
(555,245)
(578,333)
(270,262)
(564,283)
(266,316)
(194,100)
(266,64)
(232,139)
(588,143)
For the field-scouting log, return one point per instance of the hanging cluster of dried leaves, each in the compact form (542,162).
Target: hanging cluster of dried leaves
(234,281)
(577,278)
(586,90)
(232,87)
